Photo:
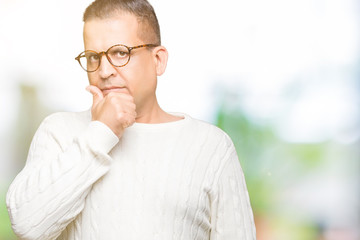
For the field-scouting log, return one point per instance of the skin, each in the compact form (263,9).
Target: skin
(122,96)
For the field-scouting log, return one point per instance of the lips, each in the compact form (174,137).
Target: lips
(108,90)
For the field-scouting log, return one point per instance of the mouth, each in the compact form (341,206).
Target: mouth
(108,90)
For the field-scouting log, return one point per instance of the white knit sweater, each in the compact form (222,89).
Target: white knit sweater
(176,180)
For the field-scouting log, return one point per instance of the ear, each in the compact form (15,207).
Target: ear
(160,55)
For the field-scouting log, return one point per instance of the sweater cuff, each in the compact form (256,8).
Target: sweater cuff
(100,137)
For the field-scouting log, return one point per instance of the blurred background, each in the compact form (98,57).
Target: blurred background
(281,77)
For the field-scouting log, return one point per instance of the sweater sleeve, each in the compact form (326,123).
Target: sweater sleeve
(51,189)
(231,213)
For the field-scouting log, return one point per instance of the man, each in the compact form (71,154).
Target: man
(127,169)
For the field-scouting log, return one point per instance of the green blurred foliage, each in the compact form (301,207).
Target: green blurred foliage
(6,232)
(271,165)
(30,113)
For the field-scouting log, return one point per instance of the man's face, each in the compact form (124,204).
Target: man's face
(139,76)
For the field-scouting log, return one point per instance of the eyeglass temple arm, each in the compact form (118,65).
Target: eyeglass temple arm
(144,45)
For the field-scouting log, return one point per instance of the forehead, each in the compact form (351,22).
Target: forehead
(100,34)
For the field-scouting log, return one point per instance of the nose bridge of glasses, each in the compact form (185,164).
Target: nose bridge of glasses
(104,65)
(101,54)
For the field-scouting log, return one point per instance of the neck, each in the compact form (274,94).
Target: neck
(154,114)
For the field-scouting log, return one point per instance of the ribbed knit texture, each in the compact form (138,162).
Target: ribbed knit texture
(177,180)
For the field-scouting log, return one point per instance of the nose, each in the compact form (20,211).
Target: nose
(106,69)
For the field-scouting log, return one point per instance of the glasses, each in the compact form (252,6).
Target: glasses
(118,55)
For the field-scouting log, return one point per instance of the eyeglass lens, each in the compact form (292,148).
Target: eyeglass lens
(118,56)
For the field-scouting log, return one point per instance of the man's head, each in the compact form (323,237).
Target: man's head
(149,29)
(131,23)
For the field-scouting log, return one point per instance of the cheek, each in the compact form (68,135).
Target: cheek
(92,79)
(135,79)
(140,75)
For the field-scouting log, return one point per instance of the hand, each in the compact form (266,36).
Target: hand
(116,110)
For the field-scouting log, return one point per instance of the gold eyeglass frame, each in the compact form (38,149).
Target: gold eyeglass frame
(99,54)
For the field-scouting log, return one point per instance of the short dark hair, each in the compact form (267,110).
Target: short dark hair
(149,29)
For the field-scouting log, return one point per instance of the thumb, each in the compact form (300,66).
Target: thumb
(96,92)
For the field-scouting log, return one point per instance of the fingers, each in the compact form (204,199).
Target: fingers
(128,120)
(96,92)
(127,96)
(123,100)
(116,109)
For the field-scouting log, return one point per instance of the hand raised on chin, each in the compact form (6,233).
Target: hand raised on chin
(116,110)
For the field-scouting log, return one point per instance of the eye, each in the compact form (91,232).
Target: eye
(119,54)
(92,57)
